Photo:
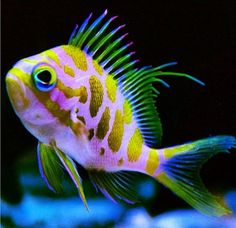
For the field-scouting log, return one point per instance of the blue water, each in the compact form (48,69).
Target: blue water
(44,211)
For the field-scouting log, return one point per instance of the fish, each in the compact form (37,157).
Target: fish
(89,102)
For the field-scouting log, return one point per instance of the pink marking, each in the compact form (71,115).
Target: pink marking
(65,103)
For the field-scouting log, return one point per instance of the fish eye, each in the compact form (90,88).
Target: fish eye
(44,77)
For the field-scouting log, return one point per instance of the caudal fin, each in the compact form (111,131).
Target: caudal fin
(181,168)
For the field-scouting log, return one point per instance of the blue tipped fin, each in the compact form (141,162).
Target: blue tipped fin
(181,172)
(106,45)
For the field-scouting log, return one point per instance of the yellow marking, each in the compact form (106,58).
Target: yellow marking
(83,94)
(69,92)
(96,95)
(97,67)
(17,96)
(103,125)
(29,61)
(111,86)
(91,133)
(77,56)
(102,151)
(170,152)
(117,132)
(44,98)
(68,70)
(53,56)
(127,110)
(55,109)
(134,149)
(152,162)
(81,118)
(120,162)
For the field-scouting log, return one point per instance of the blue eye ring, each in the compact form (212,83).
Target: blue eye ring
(44,77)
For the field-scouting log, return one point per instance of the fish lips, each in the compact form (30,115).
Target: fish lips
(16,92)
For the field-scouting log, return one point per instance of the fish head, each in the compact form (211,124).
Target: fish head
(32,86)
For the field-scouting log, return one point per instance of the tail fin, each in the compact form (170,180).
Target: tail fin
(181,168)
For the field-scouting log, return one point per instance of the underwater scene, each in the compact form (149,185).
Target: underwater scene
(118,114)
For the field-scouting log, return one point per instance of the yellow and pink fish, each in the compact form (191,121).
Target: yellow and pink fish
(88,102)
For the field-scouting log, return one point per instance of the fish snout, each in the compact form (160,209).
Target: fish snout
(16,92)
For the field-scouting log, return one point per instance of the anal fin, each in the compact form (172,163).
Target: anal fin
(117,186)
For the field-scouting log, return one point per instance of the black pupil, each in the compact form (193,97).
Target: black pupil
(44,76)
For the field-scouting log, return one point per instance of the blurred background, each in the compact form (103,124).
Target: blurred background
(200,35)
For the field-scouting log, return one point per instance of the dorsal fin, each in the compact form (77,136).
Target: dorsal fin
(106,47)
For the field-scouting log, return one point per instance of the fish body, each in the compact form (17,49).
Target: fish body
(88,102)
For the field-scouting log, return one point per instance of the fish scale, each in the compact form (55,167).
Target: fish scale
(90,102)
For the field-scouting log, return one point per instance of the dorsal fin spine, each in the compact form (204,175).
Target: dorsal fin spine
(73,33)
(105,39)
(161,73)
(165,65)
(101,44)
(91,28)
(97,36)
(120,61)
(125,67)
(117,52)
(81,30)
(110,47)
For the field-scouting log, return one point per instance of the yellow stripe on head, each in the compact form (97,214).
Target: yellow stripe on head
(81,92)
(53,56)
(43,97)
(69,71)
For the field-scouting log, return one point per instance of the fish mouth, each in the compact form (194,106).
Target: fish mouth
(16,92)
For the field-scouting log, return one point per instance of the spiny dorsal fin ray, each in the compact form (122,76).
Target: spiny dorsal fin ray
(102,42)
(137,87)
(115,186)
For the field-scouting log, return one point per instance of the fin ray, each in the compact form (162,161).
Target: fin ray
(108,48)
(49,167)
(115,186)
(181,172)
(72,171)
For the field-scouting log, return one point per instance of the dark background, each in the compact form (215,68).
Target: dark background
(200,35)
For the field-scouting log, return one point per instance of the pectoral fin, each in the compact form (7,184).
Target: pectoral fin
(49,167)
(71,169)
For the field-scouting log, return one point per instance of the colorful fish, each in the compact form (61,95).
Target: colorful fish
(88,102)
